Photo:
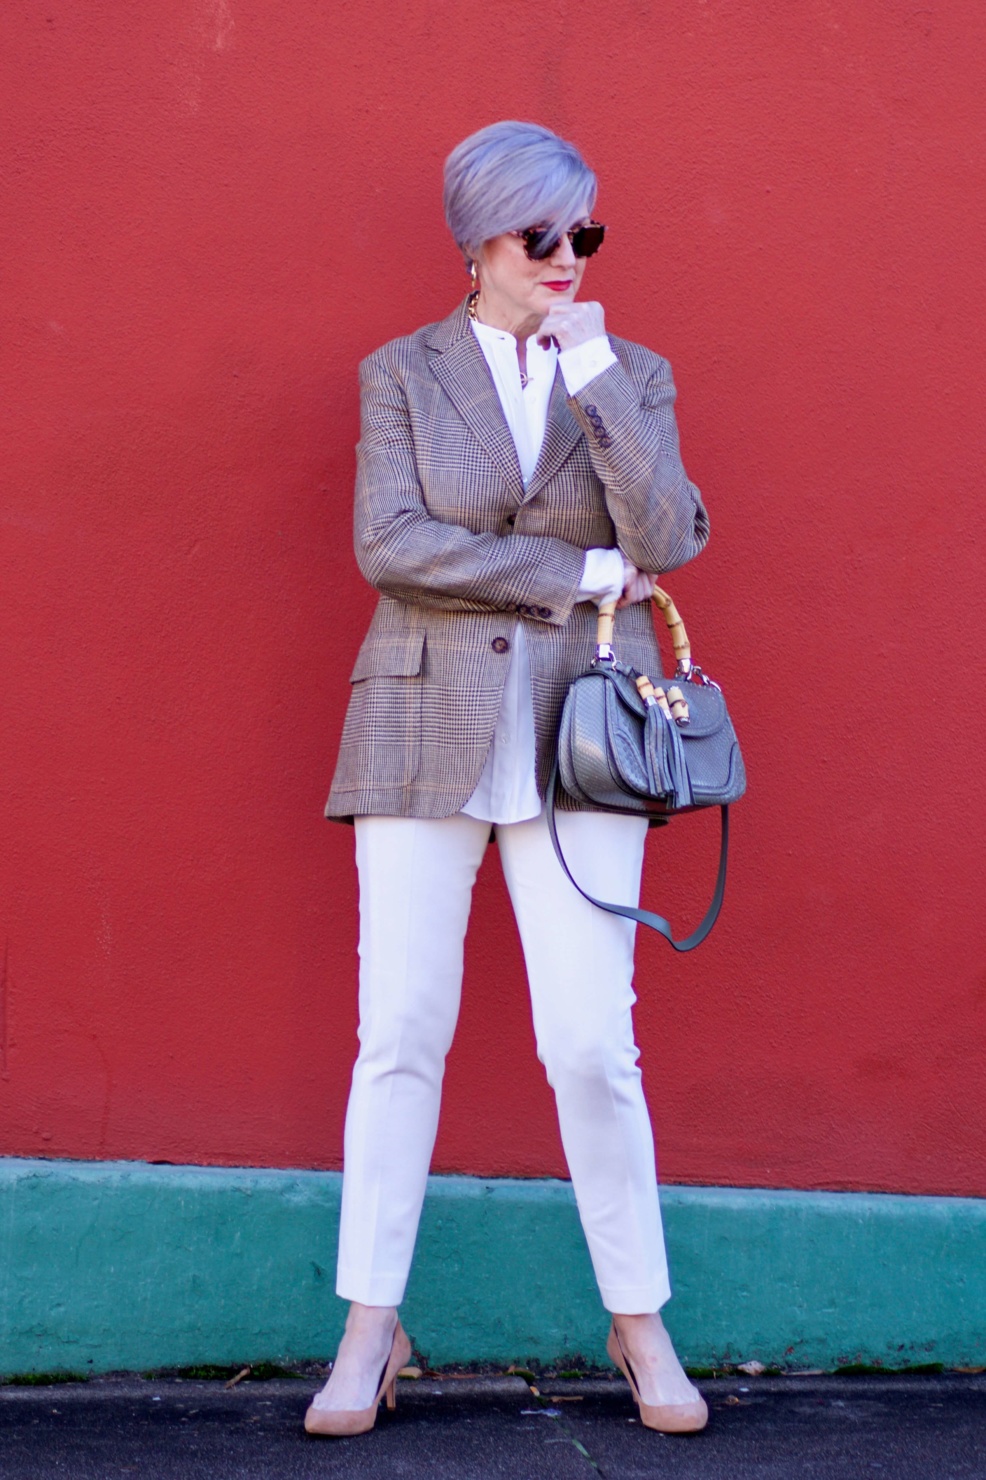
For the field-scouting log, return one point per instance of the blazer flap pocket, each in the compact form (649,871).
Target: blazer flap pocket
(390,654)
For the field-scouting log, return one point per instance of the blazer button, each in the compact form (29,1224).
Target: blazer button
(511,518)
(591,410)
(544,611)
(499,644)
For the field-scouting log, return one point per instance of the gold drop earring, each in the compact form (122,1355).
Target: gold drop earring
(473,291)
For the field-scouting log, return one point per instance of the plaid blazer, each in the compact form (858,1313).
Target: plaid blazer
(462,553)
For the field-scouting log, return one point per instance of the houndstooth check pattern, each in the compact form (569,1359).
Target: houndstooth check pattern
(461,552)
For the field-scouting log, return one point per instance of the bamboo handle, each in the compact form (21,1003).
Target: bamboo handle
(676,627)
(604,624)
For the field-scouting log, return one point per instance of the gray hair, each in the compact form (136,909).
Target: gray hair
(510,176)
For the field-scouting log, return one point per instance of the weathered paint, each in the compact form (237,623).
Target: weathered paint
(120,1265)
(213,211)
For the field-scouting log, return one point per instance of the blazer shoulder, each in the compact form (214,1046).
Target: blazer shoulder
(639,361)
(401,354)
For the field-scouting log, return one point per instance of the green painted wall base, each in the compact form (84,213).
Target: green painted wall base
(113,1265)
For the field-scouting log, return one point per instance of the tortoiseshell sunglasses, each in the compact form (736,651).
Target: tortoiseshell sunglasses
(541,241)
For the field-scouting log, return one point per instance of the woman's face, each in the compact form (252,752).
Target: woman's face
(525,290)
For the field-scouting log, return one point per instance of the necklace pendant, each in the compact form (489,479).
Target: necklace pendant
(525,381)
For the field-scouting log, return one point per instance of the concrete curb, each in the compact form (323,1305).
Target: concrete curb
(122,1266)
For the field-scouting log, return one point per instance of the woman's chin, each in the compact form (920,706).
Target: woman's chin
(547,298)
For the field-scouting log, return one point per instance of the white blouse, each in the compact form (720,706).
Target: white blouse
(507,790)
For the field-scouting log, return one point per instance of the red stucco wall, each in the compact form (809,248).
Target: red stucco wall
(213,209)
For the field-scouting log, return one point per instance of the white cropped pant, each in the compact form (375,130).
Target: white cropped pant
(416,878)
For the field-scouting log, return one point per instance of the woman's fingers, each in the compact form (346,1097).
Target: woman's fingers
(638,584)
(630,574)
(570,324)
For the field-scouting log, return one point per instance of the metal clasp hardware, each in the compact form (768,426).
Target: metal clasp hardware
(695,675)
(604,653)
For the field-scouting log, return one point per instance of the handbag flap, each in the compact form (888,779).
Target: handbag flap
(706,705)
(706,710)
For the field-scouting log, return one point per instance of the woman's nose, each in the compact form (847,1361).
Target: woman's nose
(563,255)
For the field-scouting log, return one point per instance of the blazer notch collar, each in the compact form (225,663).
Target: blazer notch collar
(561,434)
(462,372)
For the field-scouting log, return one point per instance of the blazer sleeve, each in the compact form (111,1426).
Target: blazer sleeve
(404,552)
(632,437)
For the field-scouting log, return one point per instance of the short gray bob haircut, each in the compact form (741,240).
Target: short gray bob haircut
(510,176)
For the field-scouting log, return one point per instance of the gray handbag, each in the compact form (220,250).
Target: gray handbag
(648,747)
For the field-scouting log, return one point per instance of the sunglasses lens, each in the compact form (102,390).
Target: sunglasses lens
(539,244)
(587,239)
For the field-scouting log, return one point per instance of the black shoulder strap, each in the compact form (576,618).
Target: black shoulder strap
(647,917)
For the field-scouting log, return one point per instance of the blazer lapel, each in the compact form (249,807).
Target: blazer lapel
(461,370)
(560,436)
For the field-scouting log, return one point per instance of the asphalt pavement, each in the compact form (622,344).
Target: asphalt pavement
(771,1428)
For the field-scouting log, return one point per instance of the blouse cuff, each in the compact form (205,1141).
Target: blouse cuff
(584,362)
(602,577)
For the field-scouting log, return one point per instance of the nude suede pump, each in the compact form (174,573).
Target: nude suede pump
(668,1418)
(343,1422)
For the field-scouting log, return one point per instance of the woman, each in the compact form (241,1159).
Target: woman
(517,467)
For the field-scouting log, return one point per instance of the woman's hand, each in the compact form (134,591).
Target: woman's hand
(569,324)
(638,585)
